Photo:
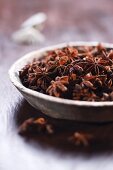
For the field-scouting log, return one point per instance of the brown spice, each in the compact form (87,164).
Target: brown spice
(81,139)
(77,73)
(38,126)
(58,86)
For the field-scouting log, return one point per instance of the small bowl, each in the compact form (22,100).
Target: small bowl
(84,111)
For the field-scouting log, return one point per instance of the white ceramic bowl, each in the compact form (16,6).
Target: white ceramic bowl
(84,111)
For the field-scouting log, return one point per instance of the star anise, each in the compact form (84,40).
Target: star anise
(41,77)
(23,73)
(58,86)
(81,93)
(71,52)
(76,69)
(72,69)
(81,139)
(95,65)
(36,126)
(50,56)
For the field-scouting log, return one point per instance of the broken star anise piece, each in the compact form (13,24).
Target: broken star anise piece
(88,84)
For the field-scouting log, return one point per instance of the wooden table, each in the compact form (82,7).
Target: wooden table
(72,20)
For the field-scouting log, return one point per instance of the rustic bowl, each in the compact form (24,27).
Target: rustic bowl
(84,111)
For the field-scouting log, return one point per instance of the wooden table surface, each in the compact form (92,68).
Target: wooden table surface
(68,20)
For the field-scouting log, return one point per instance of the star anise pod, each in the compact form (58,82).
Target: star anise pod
(51,66)
(82,93)
(63,60)
(41,77)
(81,139)
(23,73)
(50,56)
(76,69)
(44,82)
(58,86)
(71,52)
(72,69)
(38,126)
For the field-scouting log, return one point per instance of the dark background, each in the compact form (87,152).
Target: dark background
(68,20)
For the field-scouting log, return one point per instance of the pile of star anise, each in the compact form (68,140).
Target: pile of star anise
(76,72)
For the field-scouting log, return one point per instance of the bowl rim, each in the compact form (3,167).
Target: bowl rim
(14,77)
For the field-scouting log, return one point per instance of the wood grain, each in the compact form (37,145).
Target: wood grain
(72,20)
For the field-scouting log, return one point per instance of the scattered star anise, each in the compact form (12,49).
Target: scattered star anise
(81,139)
